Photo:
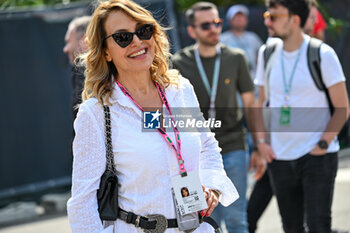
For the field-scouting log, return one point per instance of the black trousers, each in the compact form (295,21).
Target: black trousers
(258,201)
(304,191)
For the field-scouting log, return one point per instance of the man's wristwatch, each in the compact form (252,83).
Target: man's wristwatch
(323,144)
(260,140)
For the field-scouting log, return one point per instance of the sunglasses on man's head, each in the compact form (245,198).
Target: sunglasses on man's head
(206,26)
(123,39)
(273,17)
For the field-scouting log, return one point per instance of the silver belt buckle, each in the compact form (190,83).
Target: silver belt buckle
(161,223)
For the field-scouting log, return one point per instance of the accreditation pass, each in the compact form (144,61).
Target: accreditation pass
(189,193)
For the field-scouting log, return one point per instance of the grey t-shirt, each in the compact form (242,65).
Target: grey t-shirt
(249,42)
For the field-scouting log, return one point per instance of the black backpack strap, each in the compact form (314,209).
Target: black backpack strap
(269,49)
(314,63)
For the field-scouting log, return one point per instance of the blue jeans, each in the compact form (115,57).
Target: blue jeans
(235,216)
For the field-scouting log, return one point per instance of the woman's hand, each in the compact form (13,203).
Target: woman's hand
(212,199)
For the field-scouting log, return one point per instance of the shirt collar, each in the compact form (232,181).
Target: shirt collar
(119,97)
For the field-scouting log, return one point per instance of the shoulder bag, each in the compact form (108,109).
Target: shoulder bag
(107,194)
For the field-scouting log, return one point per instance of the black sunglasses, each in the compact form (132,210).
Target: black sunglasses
(206,26)
(123,39)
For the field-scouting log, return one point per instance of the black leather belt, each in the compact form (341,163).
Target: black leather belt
(157,223)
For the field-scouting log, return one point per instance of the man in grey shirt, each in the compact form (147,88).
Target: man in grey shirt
(238,37)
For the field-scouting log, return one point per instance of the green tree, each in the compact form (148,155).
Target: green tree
(184,4)
(10,4)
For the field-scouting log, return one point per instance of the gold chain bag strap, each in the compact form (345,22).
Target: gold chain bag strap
(107,194)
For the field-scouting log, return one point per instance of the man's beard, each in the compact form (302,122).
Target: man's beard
(208,42)
(278,35)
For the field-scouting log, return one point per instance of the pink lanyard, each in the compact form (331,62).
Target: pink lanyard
(161,131)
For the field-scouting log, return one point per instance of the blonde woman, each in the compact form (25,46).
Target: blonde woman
(127,69)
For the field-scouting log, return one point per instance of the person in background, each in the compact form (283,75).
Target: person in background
(76,45)
(219,73)
(238,37)
(262,192)
(127,71)
(315,25)
(301,151)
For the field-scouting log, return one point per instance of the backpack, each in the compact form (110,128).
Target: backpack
(314,61)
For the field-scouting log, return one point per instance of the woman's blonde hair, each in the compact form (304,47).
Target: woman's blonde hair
(99,73)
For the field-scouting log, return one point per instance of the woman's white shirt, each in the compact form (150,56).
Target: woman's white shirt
(145,162)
